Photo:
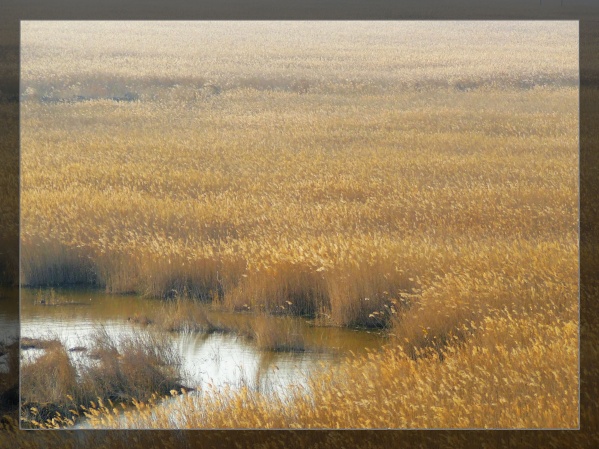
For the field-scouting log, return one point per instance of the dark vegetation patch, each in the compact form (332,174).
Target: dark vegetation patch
(56,392)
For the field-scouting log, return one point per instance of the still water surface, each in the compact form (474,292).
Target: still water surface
(217,359)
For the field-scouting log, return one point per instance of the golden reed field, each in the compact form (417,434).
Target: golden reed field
(416,177)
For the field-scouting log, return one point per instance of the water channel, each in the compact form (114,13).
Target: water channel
(222,360)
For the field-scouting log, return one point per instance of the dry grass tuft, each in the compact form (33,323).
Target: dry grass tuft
(277,336)
(56,391)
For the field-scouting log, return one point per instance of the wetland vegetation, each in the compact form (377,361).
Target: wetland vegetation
(413,180)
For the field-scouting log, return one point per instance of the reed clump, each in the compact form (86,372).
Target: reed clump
(46,384)
(188,316)
(178,315)
(57,390)
(277,336)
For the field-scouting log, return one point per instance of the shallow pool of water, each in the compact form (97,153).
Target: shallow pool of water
(217,359)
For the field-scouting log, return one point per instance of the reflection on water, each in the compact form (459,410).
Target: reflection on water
(221,360)
(225,360)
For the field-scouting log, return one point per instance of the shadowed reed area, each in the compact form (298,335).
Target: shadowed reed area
(55,391)
(9,379)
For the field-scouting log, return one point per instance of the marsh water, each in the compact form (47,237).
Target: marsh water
(217,359)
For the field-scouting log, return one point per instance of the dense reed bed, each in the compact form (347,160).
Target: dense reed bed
(381,178)
(326,226)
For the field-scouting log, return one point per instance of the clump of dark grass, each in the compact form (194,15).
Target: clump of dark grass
(39,343)
(132,366)
(56,391)
(46,385)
